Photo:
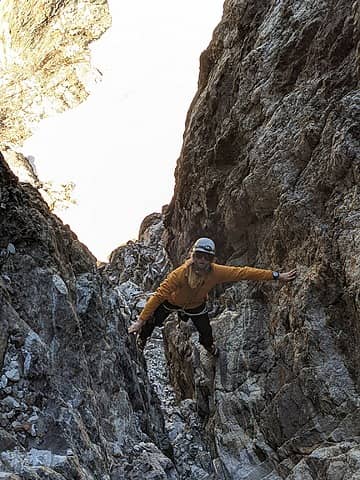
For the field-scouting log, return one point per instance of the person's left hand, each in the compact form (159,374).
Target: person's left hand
(288,276)
(136,326)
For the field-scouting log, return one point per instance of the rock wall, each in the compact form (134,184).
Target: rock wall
(272,128)
(270,168)
(44,59)
(75,399)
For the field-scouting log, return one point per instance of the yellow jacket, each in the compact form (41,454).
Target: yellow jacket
(176,290)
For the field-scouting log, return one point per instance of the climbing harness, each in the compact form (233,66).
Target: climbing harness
(185,312)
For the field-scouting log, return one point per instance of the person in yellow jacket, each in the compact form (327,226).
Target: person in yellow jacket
(186,288)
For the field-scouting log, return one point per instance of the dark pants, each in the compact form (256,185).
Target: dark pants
(201,322)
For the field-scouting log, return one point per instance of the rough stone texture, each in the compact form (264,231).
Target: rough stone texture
(191,445)
(270,168)
(75,400)
(272,131)
(145,262)
(135,270)
(45,61)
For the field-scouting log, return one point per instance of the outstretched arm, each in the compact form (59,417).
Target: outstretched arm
(161,294)
(226,273)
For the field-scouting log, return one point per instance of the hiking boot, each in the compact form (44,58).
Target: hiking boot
(213,350)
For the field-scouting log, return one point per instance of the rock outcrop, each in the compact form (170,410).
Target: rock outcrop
(45,69)
(45,61)
(75,398)
(270,168)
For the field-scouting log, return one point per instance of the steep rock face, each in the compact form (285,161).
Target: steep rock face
(45,60)
(75,400)
(273,123)
(270,168)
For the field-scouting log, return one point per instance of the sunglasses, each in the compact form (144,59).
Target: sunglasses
(206,256)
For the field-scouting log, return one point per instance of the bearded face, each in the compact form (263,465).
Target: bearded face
(201,262)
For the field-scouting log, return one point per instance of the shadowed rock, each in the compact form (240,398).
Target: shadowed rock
(270,169)
(75,399)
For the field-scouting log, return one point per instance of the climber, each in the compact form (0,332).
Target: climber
(185,291)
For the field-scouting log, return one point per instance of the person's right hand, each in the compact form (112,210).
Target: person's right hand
(288,276)
(136,326)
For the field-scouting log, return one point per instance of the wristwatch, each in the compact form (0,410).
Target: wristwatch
(276,275)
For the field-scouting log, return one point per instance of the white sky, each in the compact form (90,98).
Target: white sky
(120,146)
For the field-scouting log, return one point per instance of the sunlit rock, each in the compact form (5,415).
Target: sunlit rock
(45,60)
